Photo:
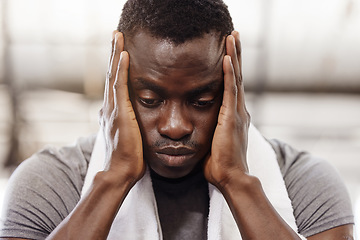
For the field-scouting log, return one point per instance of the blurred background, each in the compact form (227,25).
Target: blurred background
(301,62)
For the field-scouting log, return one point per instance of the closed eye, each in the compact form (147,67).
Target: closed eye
(149,102)
(202,103)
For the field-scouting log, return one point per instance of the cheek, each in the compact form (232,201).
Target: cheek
(147,122)
(206,123)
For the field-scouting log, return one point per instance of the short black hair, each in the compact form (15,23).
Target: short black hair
(176,20)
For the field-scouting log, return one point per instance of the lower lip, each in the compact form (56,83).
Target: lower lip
(175,160)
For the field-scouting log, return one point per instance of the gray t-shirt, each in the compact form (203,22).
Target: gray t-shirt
(45,188)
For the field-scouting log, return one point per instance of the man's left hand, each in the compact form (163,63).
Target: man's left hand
(229,146)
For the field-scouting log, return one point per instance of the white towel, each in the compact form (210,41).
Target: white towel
(138,217)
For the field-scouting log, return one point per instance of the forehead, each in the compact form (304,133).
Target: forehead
(155,58)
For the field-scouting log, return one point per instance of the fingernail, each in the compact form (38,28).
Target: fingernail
(229,59)
(113,34)
(117,35)
(232,38)
(121,55)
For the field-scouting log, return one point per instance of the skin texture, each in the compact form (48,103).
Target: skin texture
(163,110)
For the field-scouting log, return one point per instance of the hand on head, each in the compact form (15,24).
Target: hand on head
(122,133)
(229,146)
(124,152)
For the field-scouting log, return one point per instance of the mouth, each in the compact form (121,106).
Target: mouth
(176,150)
(175,156)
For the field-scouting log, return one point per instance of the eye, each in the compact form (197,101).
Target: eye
(202,103)
(149,102)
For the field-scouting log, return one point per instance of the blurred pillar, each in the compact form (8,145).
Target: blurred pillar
(13,151)
(262,58)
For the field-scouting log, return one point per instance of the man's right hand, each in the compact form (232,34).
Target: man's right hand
(95,212)
(124,151)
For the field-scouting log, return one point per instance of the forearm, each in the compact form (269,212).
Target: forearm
(255,216)
(94,214)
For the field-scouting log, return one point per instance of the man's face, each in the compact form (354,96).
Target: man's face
(176,92)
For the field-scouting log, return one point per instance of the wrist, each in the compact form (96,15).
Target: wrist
(242,183)
(113,181)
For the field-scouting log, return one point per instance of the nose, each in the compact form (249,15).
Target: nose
(174,122)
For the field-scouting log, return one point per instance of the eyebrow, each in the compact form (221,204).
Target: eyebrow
(143,83)
(209,87)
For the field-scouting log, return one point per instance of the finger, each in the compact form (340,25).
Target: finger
(231,51)
(236,35)
(229,104)
(120,89)
(112,46)
(240,83)
(106,90)
(118,48)
(241,105)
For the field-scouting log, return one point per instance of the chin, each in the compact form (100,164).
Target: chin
(173,172)
(175,166)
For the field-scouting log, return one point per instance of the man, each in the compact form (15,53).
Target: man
(173,112)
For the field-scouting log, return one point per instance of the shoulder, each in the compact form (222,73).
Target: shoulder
(44,189)
(318,195)
(56,166)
